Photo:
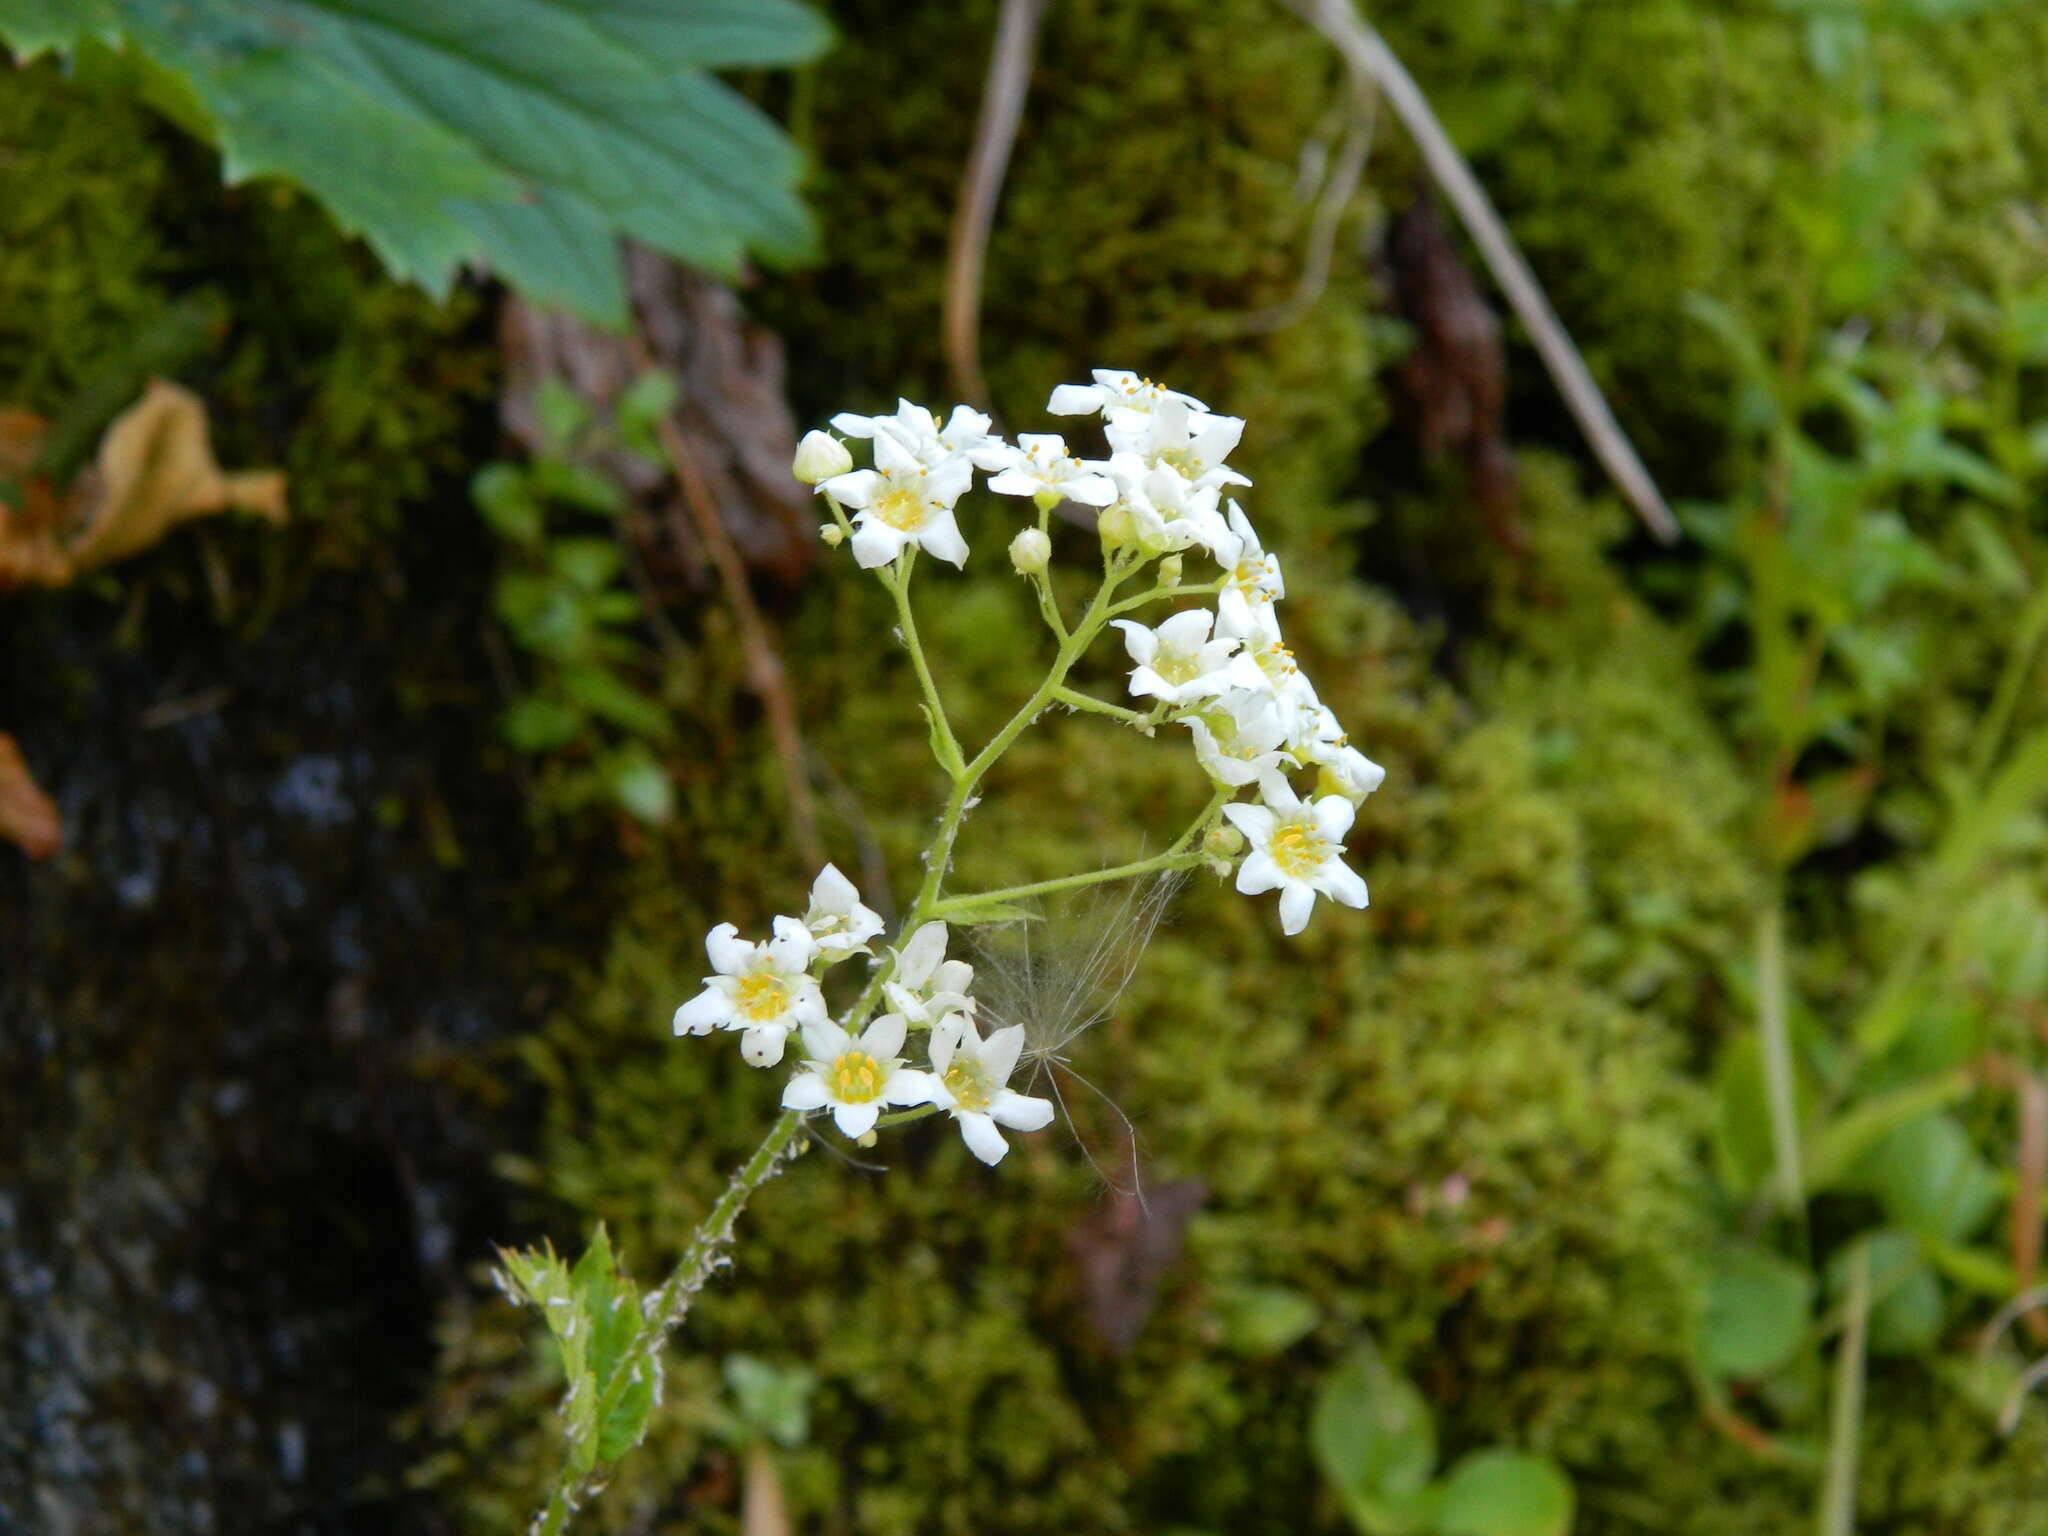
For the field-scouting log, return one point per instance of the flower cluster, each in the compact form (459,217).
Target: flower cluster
(1225,674)
(767,991)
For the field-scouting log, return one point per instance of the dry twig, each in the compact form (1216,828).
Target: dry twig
(1369,58)
(995,133)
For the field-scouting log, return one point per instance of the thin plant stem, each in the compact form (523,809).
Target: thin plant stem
(898,583)
(1837,1514)
(1774,1034)
(1161,593)
(2012,679)
(1076,699)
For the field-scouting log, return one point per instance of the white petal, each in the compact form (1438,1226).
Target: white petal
(1258,874)
(855,489)
(855,1120)
(921,955)
(1089,490)
(825,1041)
(1186,631)
(894,457)
(945,1038)
(728,952)
(1254,821)
(805,1091)
(1296,902)
(1344,884)
(982,1137)
(761,1046)
(941,536)
(1020,1112)
(1015,482)
(883,1039)
(1139,641)
(949,481)
(833,892)
(953,976)
(703,1013)
(807,1006)
(854,426)
(876,543)
(908,1086)
(1333,815)
(999,1055)
(792,949)
(1074,400)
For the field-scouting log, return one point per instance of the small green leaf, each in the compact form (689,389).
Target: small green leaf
(1266,1319)
(624,1413)
(1833,1153)
(641,408)
(604,694)
(538,723)
(1504,1493)
(1930,1180)
(1757,1310)
(1376,1442)
(641,785)
(562,414)
(501,495)
(589,563)
(578,486)
(772,1401)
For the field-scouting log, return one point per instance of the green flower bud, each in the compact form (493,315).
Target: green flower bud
(1030,552)
(820,456)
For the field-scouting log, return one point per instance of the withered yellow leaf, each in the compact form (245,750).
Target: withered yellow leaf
(154,470)
(28,817)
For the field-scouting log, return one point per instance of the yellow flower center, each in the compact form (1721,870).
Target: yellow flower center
(1298,850)
(856,1078)
(1179,459)
(901,507)
(1176,666)
(761,996)
(964,1080)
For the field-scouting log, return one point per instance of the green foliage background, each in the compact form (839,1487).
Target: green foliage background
(1558,863)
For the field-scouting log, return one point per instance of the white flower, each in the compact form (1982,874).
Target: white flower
(1040,465)
(1296,849)
(926,987)
(1177,663)
(1251,580)
(1191,443)
(902,501)
(1343,769)
(820,456)
(1273,671)
(764,990)
(837,920)
(915,428)
(856,1078)
(1241,740)
(968,1079)
(1167,513)
(1115,390)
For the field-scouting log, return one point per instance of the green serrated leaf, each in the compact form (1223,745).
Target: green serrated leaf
(771,1401)
(1504,1493)
(442,130)
(624,1412)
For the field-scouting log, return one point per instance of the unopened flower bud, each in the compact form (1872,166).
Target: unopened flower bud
(1169,571)
(1220,868)
(832,534)
(867,1139)
(1223,841)
(1030,551)
(820,456)
(1115,526)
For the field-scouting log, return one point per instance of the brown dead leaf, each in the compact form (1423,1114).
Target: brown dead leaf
(28,817)
(1125,1249)
(155,469)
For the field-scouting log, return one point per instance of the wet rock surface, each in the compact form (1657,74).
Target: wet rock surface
(246,1016)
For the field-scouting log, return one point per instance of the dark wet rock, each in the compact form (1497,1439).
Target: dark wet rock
(245,1024)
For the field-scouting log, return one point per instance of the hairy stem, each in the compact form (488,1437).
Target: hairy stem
(1075,699)
(898,583)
